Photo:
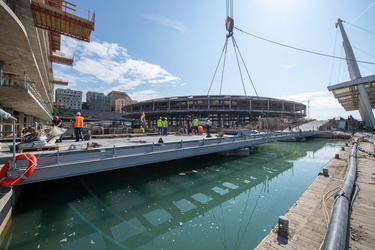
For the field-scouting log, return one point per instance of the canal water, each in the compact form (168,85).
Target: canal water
(206,202)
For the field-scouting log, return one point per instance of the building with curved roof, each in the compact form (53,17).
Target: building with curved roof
(223,110)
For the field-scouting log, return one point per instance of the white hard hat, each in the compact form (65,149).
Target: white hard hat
(78,113)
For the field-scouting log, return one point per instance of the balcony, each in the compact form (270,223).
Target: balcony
(20,93)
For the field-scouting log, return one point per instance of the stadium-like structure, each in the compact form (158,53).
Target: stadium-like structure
(223,110)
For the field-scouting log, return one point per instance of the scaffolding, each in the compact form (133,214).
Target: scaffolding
(59,57)
(63,18)
(60,82)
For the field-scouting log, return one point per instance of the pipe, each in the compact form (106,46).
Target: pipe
(338,230)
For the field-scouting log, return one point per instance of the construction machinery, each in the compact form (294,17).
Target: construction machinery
(139,126)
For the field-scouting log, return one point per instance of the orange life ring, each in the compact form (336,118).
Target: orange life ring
(4,181)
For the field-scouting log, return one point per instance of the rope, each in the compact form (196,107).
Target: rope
(303,50)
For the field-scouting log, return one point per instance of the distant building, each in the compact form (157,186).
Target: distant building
(223,110)
(118,95)
(98,101)
(120,103)
(71,99)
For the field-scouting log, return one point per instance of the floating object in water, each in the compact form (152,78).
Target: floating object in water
(188,172)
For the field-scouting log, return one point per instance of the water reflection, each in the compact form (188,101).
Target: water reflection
(207,202)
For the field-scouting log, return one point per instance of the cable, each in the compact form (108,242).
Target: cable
(303,50)
(363,12)
(247,71)
(332,64)
(213,78)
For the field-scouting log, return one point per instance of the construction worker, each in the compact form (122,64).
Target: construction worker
(188,121)
(58,123)
(165,126)
(7,115)
(78,126)
(159,124)
(208,126)
(195,125)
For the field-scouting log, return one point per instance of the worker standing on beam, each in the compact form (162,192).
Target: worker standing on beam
(159,124)
(195,125)
(165,126)
(78,126)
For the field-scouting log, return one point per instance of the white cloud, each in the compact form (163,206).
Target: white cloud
(167,22)
(144,95)
(97,63)
(321,105)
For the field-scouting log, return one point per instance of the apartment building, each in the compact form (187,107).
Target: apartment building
(120,103)
(68,98)
(98,101)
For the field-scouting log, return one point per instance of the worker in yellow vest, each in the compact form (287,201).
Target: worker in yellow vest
(165,126)
(159,124)
(78,126)
(195,125)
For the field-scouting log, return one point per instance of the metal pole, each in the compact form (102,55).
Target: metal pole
(13,163)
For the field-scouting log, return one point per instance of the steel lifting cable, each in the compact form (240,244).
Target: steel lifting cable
(230,8)
(333,60)
(303,50)
(247,71)
(217,66)
(363,29)
(239,66)
(225,57)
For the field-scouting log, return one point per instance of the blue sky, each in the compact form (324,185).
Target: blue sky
(154,49)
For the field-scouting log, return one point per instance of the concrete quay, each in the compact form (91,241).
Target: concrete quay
(309,217)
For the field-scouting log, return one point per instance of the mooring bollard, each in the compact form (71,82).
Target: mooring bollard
(337,156)
(283,225)
(325,172)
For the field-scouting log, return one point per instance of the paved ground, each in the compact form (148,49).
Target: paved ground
(307,216)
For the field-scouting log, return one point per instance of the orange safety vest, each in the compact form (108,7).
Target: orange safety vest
(78,123)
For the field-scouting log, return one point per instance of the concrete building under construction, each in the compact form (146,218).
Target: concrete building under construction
(223,110)
(30,40)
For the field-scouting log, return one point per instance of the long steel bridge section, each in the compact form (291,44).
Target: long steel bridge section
(58,164)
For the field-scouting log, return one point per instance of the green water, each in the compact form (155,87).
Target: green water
(207,202)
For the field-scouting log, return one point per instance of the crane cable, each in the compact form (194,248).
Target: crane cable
(229,23)
(303,50)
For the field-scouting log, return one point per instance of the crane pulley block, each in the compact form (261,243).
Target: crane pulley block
(229,25)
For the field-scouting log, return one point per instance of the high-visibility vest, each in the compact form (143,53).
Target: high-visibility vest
(78,123)
(165,124)
(159,123)
(195,122)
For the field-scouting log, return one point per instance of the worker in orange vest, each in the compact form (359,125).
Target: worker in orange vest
(78,126)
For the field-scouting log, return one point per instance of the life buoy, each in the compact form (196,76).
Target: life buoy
(4,181)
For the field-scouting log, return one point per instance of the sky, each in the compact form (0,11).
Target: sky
(155,49)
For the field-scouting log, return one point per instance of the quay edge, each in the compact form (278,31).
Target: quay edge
(307,224)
